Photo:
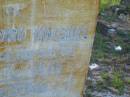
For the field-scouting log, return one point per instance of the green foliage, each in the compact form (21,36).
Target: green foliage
(88,93)
(117,82)
(101,85)
(106,3)
(105,76)
(128,81)
(100,47)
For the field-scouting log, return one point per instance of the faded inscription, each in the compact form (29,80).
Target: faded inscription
(45,46)
(40,34)
(12,35)
(59,33)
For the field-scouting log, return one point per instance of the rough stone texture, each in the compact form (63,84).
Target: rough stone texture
(45,46)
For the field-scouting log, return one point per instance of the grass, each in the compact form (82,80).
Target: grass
(103,51)
(102,48)
(105,76)
(128,81)
(117,82)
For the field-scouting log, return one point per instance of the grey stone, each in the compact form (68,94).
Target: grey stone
(127,68)
(113,90)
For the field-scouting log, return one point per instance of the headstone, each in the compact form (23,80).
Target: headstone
(45,46)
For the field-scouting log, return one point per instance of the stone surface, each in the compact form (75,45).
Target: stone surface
(127,68)
(45,46)
(113,90)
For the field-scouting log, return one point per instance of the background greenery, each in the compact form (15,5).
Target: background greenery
(106,3)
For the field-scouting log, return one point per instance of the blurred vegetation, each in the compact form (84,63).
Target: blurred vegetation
(117,82)
(104,52)
(107,3)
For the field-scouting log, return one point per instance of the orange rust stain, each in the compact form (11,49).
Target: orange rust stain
(80,80)
(3,86)
(20,66)
(2,49)
(10,43)
(2,26)
(38,78)
(2,65)
(78,67)
(28,36)
(3,44)
(24,18)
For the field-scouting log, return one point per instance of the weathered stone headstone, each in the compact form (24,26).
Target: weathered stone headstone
(45,46)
